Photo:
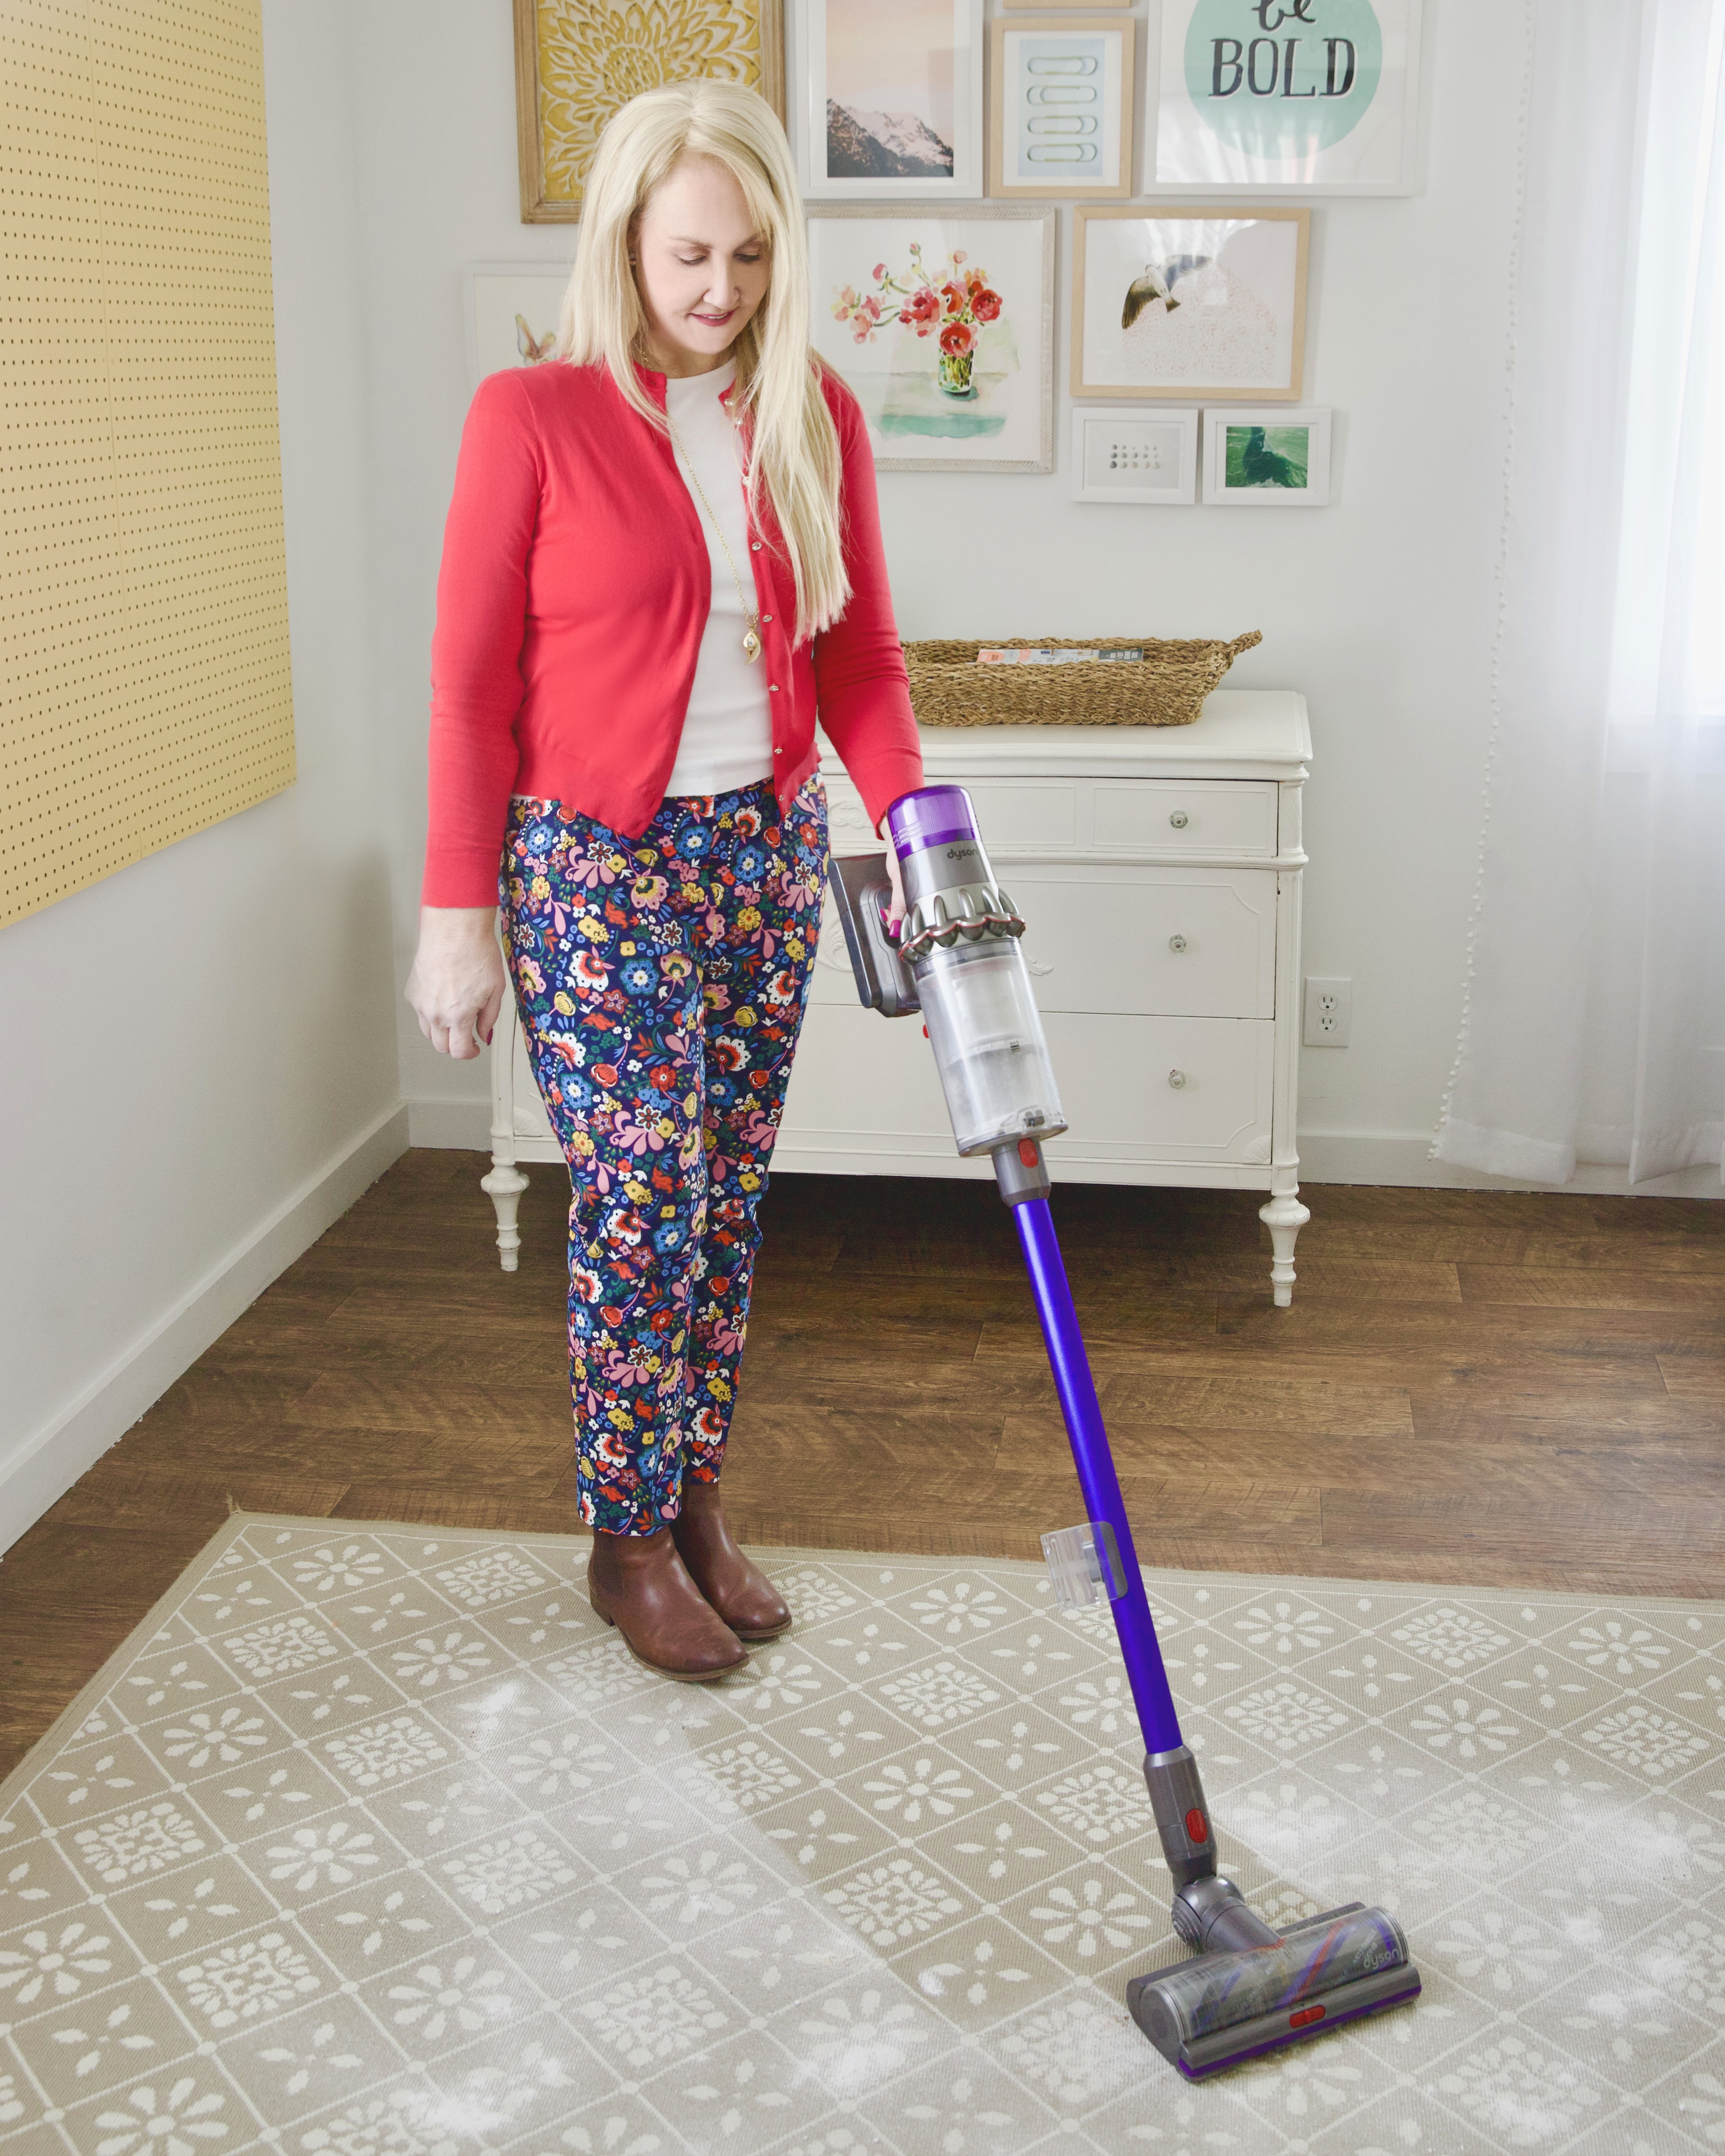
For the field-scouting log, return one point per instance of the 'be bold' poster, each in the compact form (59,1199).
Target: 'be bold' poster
(1298,94)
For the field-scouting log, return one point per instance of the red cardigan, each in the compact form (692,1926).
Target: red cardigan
(572,598)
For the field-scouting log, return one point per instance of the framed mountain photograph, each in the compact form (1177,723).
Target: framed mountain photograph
(887,101)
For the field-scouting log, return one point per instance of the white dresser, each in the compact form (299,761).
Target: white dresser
(1158,868)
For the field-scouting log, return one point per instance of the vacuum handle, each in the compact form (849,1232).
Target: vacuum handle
(862,891)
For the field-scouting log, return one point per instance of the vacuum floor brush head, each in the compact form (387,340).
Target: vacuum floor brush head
(1221,2009)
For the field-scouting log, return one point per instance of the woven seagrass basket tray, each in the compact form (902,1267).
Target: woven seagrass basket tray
(1165,688)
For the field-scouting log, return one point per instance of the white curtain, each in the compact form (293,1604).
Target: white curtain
(1595,1006)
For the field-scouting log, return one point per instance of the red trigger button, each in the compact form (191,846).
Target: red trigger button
(1027,1152)
(1197,1826)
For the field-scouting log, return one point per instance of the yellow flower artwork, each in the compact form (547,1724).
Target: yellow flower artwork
(588,57)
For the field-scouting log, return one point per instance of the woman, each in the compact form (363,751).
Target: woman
(662,559)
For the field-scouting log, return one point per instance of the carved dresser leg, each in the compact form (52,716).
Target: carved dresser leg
(503,1187)
(1284,1216)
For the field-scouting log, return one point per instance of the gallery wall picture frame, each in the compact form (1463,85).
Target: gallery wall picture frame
(1267,457)
(1205,301)
(510,313)
(1134,453)
(941,319)
(886,100)
(1299,98)
(1060,108)
(1043,7)
(576,61)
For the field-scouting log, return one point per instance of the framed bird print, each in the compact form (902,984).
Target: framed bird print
(1185,303)
(1272,458)
(511,314)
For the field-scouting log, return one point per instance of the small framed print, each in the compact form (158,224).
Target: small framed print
(1043,5)
(1173,302)
(512,310)
(887,103)
(1272,458)
(1061,113)
(1132,455)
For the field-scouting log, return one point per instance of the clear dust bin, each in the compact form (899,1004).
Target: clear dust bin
(987,1036)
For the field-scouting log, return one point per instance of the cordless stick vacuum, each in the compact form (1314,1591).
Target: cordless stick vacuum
(956,958)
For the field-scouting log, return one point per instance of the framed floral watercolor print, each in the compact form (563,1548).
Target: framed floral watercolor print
(1176,302)
(943,323)
(888,99)
(1060,108)
(576,61)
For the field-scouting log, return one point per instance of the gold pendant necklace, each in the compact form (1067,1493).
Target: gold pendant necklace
(751,615)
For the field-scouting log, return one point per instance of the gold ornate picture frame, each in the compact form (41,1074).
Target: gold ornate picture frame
(576,61)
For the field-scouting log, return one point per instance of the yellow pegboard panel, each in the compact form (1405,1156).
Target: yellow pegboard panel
(145,690)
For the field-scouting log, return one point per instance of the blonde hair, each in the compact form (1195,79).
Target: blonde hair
(794,460)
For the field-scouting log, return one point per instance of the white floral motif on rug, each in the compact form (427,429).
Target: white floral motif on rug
(376,1843)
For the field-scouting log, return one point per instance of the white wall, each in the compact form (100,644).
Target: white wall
(1379,608)
(200,1070)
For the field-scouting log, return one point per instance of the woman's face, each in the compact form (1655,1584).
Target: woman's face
(700,267)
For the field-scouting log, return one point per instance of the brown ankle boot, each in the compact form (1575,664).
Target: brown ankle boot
(638,1582)
(736,1587)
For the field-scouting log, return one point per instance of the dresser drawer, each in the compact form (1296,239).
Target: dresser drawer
(1183,816)
(1147,1089)
(1183,942)
(866,1085)
(1117,819)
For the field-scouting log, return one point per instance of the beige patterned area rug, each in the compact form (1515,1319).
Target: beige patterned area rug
(372,1842)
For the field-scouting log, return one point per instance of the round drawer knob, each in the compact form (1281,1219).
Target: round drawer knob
(1177,942)
(1177,1078)
(1180,820)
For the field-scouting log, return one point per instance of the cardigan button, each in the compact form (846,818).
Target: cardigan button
(754,546)
(766,617)
(774,686)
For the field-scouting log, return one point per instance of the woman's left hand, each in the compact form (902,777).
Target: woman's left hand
(896,910)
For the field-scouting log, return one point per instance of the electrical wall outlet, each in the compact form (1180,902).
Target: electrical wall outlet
(1329,1012)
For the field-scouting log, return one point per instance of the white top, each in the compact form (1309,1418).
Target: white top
(1241,733)
(727,732)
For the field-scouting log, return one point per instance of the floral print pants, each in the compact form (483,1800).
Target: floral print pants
(661,981)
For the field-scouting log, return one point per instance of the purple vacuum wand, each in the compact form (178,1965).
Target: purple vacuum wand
(956,958)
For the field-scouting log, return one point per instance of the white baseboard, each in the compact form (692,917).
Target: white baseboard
(52,1460)
(451,1126)
(1403,1158)
(1395,1157)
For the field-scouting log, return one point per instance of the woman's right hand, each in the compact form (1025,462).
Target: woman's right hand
(457,983)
